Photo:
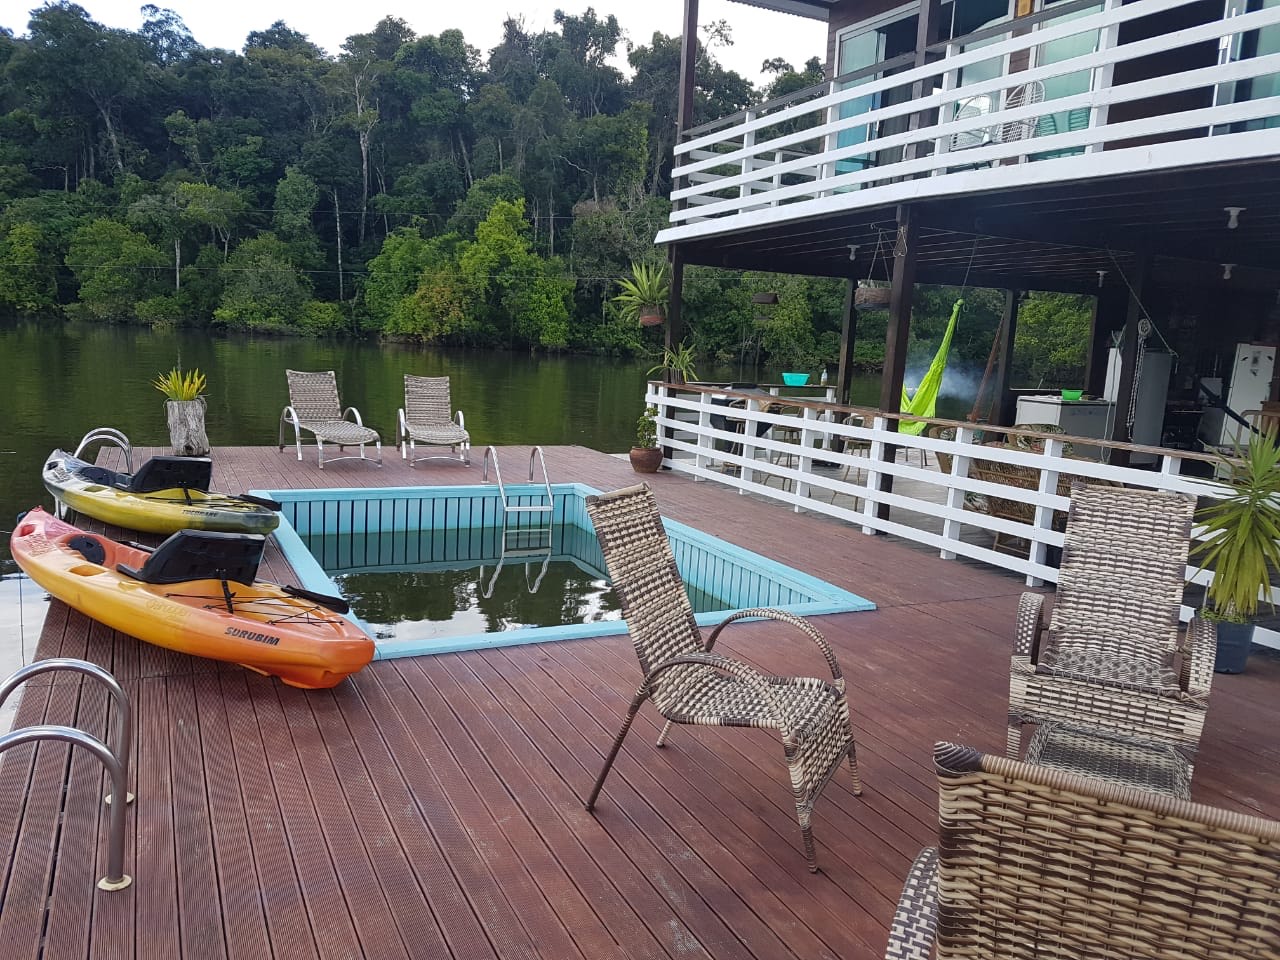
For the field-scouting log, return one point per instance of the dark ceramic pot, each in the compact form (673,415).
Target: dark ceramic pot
(1234,640)
(646,459)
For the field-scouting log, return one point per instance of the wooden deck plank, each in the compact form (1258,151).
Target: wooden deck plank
(433,807)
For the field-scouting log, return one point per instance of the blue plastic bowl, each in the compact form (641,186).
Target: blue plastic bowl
(795,379)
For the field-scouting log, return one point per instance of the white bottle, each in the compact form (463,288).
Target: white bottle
(823,379)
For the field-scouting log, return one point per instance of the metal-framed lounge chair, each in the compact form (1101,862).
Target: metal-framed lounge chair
(689,683)
(427,417)
(1111,657)
(314,407)
(1036,863)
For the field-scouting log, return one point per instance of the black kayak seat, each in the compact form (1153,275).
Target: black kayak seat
(102,475)
(202,555)
(168,473)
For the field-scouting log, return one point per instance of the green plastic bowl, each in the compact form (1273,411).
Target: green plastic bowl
(1072,394)
(795,379)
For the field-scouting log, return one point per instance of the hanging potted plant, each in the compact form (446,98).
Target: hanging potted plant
(644,294)
(184,409)
(676,365)
(646,456)
(1241,546)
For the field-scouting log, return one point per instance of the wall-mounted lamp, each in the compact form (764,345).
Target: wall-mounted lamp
(1233,216)
(853,252)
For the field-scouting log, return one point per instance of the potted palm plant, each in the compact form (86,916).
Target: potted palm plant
(676,364)
(646,456)
(184,410)
(644,294)
(1242,530)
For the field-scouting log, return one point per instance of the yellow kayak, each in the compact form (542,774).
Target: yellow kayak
(196,593)
(164,495)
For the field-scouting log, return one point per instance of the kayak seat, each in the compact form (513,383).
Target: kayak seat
(168,473)
(202,555)
(102,475)
(90,548)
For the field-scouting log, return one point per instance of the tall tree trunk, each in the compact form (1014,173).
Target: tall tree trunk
(177,263)
(111,135)
(466,161)
(337,220)
(364,180)
(551,221)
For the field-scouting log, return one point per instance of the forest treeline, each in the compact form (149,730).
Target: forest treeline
(406,186)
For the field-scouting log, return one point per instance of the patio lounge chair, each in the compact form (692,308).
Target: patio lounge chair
(1037,863)
(314,406)
(689,683)
(427,417)
(1111,657)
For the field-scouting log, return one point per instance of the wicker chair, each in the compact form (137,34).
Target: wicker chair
(688,683)
(427,417)
(314,407)
(1111,657)
(1035,863)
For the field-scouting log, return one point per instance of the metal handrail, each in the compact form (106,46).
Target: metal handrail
(110,435)
(546,480)
(115,761)
(491,452)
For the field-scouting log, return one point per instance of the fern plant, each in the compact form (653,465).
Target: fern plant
(177,385)
(1242,531)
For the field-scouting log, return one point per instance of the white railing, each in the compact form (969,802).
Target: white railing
(804,453)
(788,162)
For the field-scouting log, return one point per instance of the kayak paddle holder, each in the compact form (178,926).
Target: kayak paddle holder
(116,761)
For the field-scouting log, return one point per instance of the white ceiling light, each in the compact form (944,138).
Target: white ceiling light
(1226,270)
(1233,216)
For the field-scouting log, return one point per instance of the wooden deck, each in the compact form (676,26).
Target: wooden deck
(432,807)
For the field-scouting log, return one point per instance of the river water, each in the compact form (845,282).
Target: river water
(59,380)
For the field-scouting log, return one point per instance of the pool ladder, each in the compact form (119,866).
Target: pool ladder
(520,540)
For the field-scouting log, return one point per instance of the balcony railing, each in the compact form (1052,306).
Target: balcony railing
(845,144)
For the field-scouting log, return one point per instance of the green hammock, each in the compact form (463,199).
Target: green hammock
(924,402)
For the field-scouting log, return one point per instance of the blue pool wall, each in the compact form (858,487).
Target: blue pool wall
(743,579)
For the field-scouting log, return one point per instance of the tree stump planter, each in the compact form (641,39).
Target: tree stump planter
(186,427)
(646,459)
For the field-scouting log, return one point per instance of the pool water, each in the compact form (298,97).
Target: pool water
(424,585)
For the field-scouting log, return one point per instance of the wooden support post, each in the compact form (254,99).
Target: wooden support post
(897,335)
(848,340)
(928,32)
(1129,360)
(675,302)
(1003,407)
(688,61)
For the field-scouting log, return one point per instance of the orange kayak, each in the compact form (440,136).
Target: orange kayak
(196,593)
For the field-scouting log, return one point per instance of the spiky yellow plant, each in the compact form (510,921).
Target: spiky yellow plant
(177,385)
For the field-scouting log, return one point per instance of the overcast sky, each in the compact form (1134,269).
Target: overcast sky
(758,34)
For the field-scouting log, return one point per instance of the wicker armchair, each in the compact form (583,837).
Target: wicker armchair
(1111,657)
(427,417)
(689,683)
(1034,863)
(314,407)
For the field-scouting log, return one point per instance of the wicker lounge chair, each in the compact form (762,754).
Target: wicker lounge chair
(314,407)
(688,683)
(427,417)
(1111,657)
(1035,863)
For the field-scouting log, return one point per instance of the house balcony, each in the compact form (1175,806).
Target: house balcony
(1081,100)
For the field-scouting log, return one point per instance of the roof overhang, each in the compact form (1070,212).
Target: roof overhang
(813,9)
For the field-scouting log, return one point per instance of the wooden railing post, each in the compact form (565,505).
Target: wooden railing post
(1044,514)
(951,529)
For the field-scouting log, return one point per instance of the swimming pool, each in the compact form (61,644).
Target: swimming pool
(741,578)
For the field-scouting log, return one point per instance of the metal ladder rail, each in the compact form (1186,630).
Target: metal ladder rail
(115,761)
(110,435)
(547,510)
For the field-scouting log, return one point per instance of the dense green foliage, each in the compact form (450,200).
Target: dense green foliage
(406,186)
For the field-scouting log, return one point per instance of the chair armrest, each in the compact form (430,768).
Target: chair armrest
(1030,626)
(402,425)
(461,420)
(289,415)
(803,625)
(915,924)
(735,668)
(1200,649)
(355,415)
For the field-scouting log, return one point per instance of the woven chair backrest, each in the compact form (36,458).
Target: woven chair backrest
(1036,863)
(644,574)
(426,400)
(314,396)
(1122,574)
